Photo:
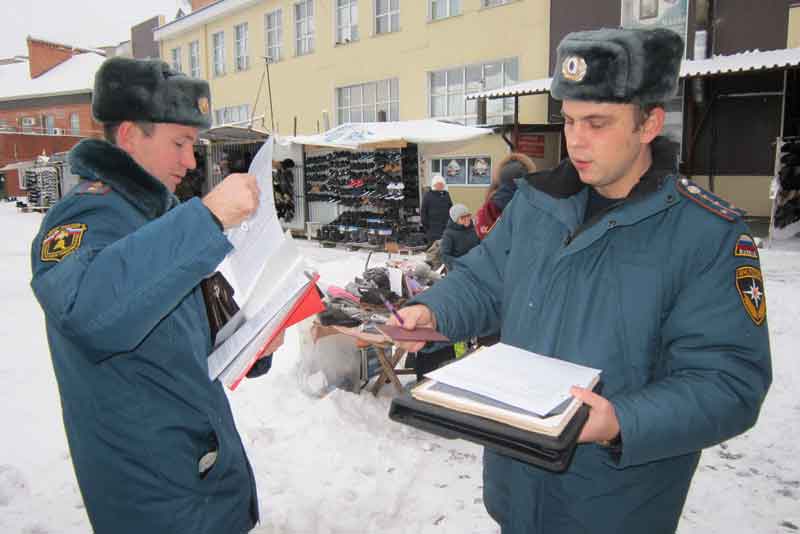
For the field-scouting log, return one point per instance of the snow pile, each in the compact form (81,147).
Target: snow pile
(334,463)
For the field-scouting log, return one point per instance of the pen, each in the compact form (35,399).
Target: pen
(391,309)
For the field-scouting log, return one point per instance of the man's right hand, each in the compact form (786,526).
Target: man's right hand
(234,199)
(416,316)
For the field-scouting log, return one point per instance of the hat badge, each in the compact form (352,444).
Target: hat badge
(573,68)
(202,105)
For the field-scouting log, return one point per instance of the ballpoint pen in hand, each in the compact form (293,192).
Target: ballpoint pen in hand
(392,309)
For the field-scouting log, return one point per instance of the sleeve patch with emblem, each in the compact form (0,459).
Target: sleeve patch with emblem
(746,247)
(62,241)
(750,286)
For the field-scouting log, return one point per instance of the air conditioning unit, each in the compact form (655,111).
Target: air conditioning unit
(29,121)
(58,131)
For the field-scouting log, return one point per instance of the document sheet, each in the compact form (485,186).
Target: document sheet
(517,377)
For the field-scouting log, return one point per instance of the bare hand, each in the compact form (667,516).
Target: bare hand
(415,316)
(234,199)
(274,345)
(602,424)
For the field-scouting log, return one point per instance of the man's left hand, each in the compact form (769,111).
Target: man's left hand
(602,424)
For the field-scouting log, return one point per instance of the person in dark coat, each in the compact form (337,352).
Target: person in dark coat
(613,261)
(459,237)
(435,209)
(504,184)
(117,266)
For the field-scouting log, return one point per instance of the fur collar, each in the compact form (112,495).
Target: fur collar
(95,159)
(563,181)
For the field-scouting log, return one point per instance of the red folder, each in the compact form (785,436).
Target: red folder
(306,305)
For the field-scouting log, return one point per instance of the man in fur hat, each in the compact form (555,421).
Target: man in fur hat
(116,268)
(613,261)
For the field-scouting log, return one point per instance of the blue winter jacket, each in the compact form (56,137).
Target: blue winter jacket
(664,294)
(116,267)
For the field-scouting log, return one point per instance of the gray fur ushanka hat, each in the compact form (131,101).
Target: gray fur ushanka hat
(150,91)
(618,65)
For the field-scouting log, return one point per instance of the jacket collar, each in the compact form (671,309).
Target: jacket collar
(95,159)
(564,182)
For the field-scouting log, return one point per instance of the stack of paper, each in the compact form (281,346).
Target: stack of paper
(510,385)
(274,287)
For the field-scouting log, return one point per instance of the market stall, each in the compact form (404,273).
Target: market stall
(362,185)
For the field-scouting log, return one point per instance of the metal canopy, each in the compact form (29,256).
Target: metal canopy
(752,61)
(234,134)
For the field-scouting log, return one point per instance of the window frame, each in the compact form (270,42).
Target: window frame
(490,4)
(387,15)
(218,53)
(351,27)
(194,59)
(277,16)
(506,105)
(304,44)
(449,8)
(241,56)
(75,123)
(391,103)
(175,57)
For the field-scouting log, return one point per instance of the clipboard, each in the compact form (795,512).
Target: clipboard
(546,452)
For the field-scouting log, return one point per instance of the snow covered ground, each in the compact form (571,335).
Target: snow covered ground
(336,464)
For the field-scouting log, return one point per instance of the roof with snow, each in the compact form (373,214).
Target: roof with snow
(202,16)
(751,61)
(73,76)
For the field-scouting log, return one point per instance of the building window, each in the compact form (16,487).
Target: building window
(176,59)
(49,124)
(218,40)
(232,114)
(648,9)
(274,31)
(346,21)
(441,9)
(387,16)
(194,59)
(27,124)
(494,3)
(448,88)
(368,102)
(5,127)
(464,170)
(241,59)
(304,27)
(74,124)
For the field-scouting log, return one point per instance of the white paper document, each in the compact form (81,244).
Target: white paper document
(259,236)
(268,272)
(517,377)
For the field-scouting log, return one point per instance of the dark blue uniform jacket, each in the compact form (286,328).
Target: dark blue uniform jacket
(116,268)
(664,294)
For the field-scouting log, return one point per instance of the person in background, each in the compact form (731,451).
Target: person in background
(435,208)
(459,237)
(613,261)
(117,266)
(502,189)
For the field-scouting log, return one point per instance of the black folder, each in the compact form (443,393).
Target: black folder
(547,452)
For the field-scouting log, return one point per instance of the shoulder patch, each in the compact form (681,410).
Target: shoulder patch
(92,187)
(746,247)
(750,285)
(708,201)
(62,241)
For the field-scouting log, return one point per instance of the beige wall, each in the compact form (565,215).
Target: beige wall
(793,37)
(750,193)
(304,86)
